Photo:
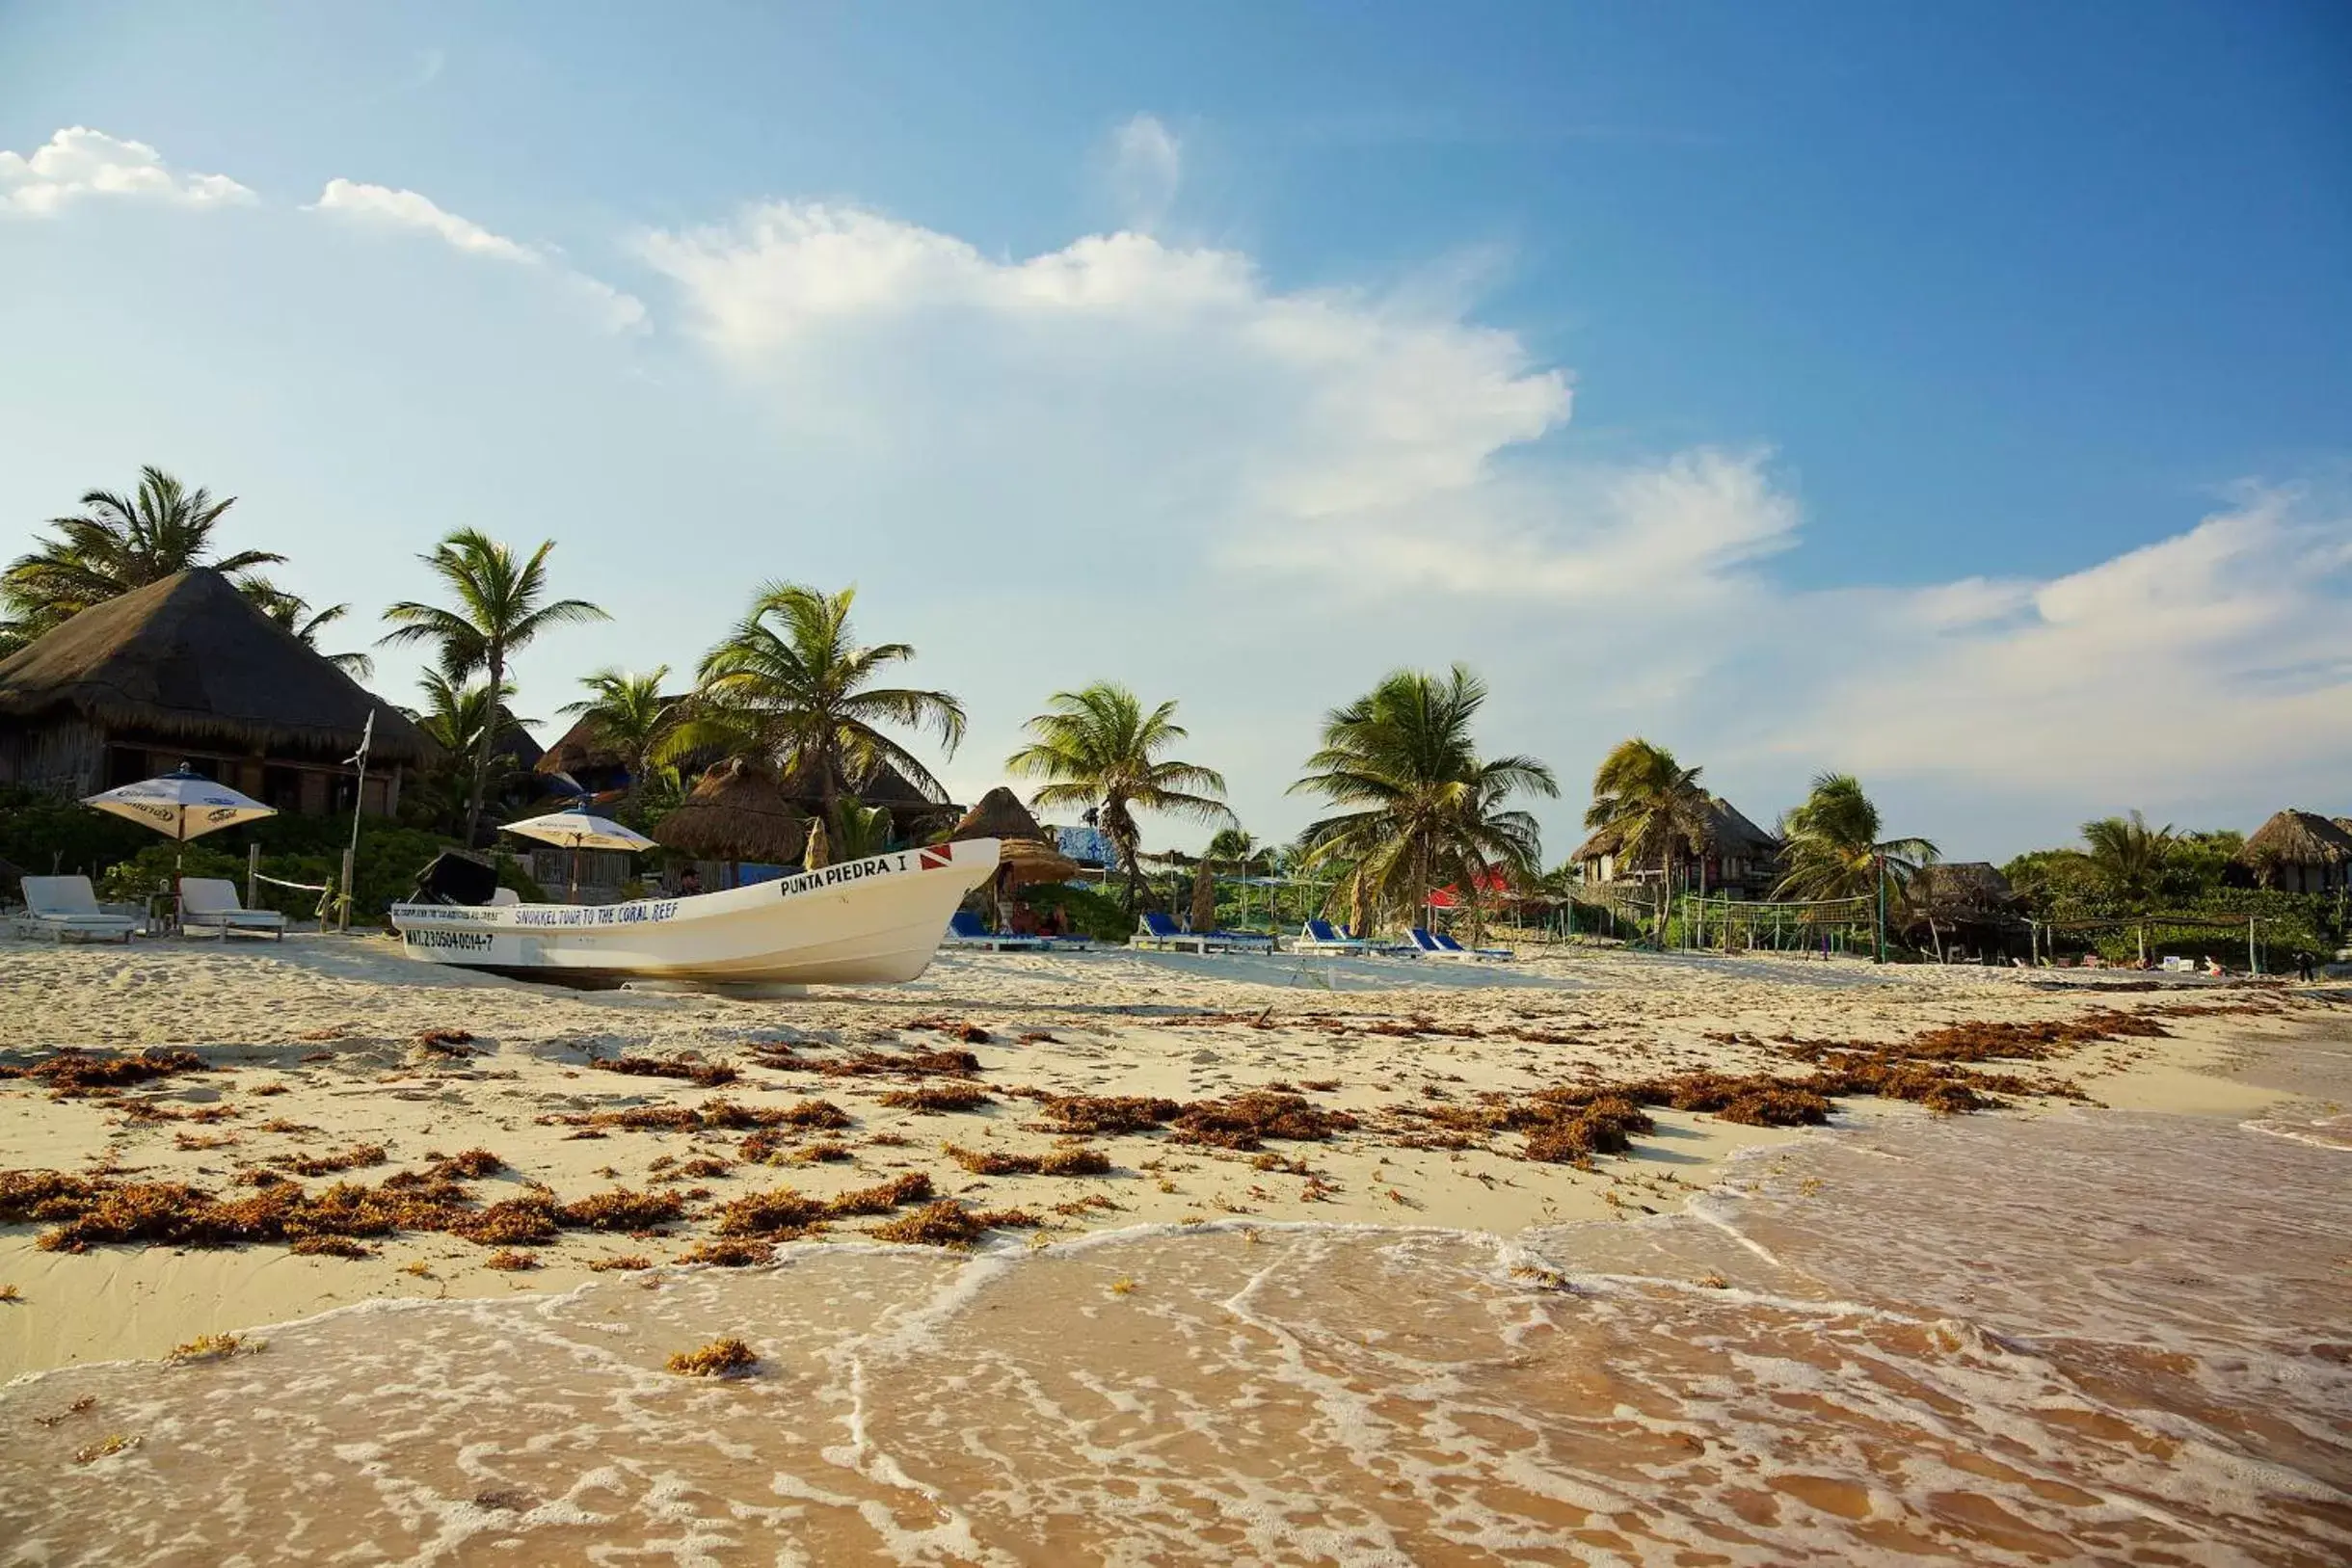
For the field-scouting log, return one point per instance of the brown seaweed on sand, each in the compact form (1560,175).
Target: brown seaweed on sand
(947,1223)
(510,1263)
(720,1358)
(779,1211)
(1070,1159)
(1603,1126)
(939,1097)
(737,1252)
(621,1209)
(1106,1114)
(1243,1119)
(903,1064)
(710,1074)
(72,1071)
(345,1160)
(913,1188)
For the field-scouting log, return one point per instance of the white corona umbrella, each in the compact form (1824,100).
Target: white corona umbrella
(181,804)
(576,829)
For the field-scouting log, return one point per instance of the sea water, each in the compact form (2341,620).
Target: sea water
(2087,1336)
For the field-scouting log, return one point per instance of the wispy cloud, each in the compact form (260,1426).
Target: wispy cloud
(1146,169)
(79,164)
(385,207)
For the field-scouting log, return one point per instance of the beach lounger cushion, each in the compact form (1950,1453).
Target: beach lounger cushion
(211,904)
(68,906)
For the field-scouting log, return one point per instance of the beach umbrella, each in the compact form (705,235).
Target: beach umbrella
(181,804)
(576,829)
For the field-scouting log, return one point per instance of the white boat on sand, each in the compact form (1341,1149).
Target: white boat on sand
(876,920)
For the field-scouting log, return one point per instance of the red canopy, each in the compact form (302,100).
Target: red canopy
(1491,882)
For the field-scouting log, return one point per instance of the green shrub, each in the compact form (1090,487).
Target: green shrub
(1093,914)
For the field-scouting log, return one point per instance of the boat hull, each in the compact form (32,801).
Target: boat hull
(876,921)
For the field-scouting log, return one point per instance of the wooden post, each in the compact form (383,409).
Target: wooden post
(342,919)
(253,875)
(2253,956)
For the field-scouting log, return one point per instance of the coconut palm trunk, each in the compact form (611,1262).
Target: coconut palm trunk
(482,750)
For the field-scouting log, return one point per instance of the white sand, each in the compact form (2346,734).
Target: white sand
(357,1007)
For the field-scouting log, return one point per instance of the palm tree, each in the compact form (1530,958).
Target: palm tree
(501,605)
(629,714)
(1427,809)
(117,543)
(294,615)
(1655,806)
(1100,750)
(1233,849)
(457,717)
(800,692)
(2129,855)
(1833,849)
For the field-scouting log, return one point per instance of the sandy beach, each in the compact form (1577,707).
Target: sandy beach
(317,1056)
(1303,1109)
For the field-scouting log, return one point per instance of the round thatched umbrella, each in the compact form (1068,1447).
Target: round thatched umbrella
(1026,856)
(738,811)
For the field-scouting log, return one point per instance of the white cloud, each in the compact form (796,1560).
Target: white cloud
(1146,167)
(2220,657)
(384,206)
(79,162)
(1341,481)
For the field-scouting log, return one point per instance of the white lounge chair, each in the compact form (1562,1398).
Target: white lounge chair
(68,907)
(1438,944)
(1156,930)
(1321,936)
(211,904)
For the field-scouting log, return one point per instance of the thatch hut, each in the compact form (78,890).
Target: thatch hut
(1967,905)
(1738,858)
(1029,856)
(188,670)
(915,816)
(738,811)
(2298,851)
(583,753)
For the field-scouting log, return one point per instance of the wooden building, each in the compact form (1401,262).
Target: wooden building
(1735,858)
(188,670)
(2300,851)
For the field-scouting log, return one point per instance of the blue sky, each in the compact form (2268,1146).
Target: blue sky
(1953,396)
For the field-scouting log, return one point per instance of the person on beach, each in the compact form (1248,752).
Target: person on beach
(689,883)
(2307,964)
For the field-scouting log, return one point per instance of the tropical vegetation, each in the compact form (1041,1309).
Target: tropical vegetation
(791,685)
(1100,751)
(1419,807)
(500,605)
(1831,846)
(115,544)
(1654,808)
(629,714)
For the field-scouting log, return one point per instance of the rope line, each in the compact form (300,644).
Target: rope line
(302,887)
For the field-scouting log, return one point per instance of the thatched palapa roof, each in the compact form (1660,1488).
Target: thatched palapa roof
(189,657)
(738,811)
(1957,888)
(582,746)
(1032,858)
(2298,837)
(1727,832)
